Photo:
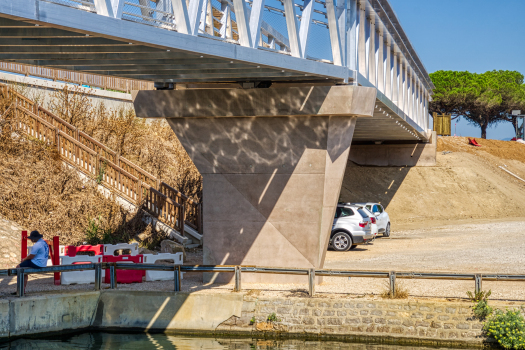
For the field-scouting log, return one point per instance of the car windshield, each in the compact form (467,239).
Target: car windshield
(341,212)
(363,213)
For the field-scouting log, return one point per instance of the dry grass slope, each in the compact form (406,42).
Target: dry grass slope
(38,192)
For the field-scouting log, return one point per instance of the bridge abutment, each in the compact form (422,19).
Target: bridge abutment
(272,162)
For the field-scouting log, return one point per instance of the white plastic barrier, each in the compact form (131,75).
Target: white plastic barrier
(79,277)
(110,249)
(162,275)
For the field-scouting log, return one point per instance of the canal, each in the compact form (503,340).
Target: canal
(145,341)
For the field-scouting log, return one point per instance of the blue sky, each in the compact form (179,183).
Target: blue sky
(473,35)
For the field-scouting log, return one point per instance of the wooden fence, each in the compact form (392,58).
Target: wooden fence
(104,165)
(442,124)
(95,80)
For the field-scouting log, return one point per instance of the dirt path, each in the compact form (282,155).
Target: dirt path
(497,246)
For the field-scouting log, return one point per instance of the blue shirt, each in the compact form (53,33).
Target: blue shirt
(41,251)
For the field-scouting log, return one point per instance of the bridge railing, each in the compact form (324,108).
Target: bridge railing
(100,81)
(104,165)
(238,270)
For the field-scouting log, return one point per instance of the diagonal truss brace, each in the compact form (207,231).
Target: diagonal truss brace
(187,19)
(110,8)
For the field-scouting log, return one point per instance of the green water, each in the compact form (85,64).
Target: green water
(142,341)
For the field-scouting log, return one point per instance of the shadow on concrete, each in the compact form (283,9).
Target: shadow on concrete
(265,175)
(372,183)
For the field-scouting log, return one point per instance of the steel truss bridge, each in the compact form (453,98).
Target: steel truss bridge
(251,43)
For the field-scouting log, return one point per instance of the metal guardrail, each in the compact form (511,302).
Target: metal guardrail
(238,270)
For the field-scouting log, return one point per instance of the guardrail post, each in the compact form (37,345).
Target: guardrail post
(392,280)
(311,282)
(113,276)
(477,281)
(98,276)
(176,278)
(237,279)
(20,282)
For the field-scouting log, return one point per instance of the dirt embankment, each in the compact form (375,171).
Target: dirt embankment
(466,183)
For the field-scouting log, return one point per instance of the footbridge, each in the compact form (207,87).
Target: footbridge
(267,96)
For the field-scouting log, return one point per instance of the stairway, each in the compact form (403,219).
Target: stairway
(168,209)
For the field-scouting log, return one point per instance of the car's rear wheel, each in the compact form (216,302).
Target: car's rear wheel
(387,231)
(341,242)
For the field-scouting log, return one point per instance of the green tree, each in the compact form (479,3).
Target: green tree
(482,99)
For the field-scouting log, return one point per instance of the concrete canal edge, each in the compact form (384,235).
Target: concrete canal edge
(440,323)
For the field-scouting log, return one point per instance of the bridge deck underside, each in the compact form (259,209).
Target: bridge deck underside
(87,42)
(28,42)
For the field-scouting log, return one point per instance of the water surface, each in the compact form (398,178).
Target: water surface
(144,341)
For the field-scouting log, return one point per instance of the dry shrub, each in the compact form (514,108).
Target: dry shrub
(152,145)
(39,192)
(401,292)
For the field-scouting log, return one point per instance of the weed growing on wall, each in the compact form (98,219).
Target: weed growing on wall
(481,308)
(508,328)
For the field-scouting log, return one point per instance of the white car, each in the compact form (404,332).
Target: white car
(352,226)
(382,218)
(374,221)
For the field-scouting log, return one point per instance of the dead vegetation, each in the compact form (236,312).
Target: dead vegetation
(39,192)
(151,145)
(400,292)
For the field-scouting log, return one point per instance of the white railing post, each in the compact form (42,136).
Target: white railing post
(306,21)
(293,28)
(335,33)
(361,43)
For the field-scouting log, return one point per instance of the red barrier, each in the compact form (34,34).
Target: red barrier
(56,258)
(73,251)
(24,245)
(125,276)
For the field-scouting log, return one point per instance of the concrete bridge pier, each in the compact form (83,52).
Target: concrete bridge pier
(272,161)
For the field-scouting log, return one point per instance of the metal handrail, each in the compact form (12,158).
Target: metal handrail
(237,270)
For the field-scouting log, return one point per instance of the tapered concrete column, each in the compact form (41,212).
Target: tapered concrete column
(272,161)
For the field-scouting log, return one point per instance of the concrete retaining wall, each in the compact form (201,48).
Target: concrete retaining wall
(420,154)
(165,310)
(43,89)
(387,321)
(51,313)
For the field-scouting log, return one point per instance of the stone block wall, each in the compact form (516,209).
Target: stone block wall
(390,321)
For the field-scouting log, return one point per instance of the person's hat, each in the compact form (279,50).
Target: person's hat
(35,235)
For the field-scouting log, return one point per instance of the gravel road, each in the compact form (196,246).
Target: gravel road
(495,247)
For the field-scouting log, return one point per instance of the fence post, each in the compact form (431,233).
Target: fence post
(311,282)
(199,218)
(392,279)
(113,276)
(57,139)
(117,162)
(477,280)
(176,278)
(20,282)
(139,192)
(98,276)
(97,168)
(182,216)
(237,279)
